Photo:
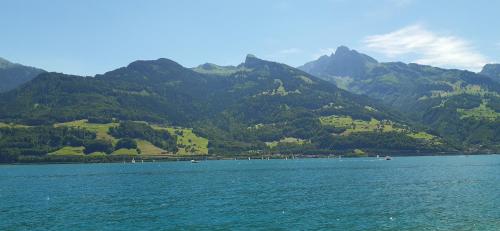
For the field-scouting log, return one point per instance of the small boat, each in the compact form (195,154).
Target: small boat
(195,161)
(378,156)
(133,161)
(388,158)
(249,158)
(142,161)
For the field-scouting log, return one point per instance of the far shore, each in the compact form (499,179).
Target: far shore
(149,159)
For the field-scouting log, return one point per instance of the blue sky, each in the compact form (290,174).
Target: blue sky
(95,36)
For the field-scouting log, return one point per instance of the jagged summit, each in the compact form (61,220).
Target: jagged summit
(252,61)
(345,52)
(344,62)
(251,56)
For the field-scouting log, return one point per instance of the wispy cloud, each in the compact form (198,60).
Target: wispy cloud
(428,48)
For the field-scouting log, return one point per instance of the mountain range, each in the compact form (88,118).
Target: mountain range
(460,105)
(347,104)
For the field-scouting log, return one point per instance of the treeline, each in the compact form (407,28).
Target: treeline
(239,113)
(25,143)
(469,132)
(38,141)
(137,130)
(379,141)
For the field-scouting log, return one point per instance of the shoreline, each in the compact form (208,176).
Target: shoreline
(149,159)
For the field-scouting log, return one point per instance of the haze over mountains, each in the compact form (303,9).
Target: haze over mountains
(13,74)
(261,106)
(492,70)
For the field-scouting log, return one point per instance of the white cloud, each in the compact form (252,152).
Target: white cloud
(428,48)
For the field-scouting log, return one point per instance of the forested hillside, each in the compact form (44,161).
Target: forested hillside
(258,107)
(459,105)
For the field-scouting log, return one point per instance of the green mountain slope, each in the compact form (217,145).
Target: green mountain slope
(460,105)
(256,107)
(13,75)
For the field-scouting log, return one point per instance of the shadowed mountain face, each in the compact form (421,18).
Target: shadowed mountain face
(237,108)
(343,62)
(462,105)
(13,75)
(492,71)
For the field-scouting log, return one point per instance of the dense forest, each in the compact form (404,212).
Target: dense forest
(128,130)
(459,105)
(162,109)
(39,141)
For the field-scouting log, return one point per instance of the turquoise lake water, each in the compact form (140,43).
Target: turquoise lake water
(407,193)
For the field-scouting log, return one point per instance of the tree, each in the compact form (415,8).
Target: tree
(98,146)
(126,143)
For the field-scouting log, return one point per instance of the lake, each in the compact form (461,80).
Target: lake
(406,193)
